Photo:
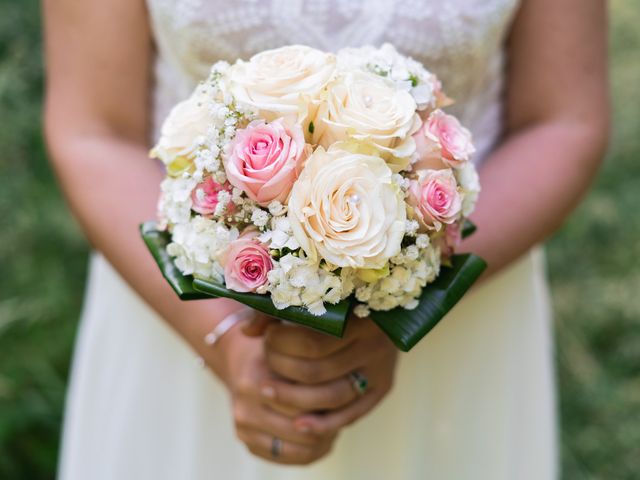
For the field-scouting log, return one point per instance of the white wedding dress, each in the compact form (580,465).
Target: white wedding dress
(473,401)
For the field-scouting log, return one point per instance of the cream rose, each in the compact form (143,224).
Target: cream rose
(369,108)
(282,82)
(345,209)
(182,133)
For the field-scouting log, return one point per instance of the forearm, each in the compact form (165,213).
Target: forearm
(112,186)
(529,186)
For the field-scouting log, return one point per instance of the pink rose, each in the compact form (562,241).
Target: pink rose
(450,240)
(205,196)
(435,198)
(264,160)
(453,139)
(429,152)
(246,264)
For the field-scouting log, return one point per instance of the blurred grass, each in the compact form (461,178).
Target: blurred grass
(42,261)
(593,264)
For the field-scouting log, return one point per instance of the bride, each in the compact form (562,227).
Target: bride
(474,400)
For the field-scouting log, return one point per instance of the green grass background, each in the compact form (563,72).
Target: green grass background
(594,265)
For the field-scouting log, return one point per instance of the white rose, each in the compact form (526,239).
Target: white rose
(183,132)
(469,182)
(384,60)
(282,82)
(346,208)
(407,73)
(371,109)
(365,57)
(421,83)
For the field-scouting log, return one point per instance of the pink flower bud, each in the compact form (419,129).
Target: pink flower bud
(204,197)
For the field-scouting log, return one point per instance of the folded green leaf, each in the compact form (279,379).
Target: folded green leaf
(332,322)
(468,228)
(404,327)
(157,241)
(407,327)
(187,288)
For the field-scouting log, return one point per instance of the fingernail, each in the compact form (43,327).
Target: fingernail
(268,391)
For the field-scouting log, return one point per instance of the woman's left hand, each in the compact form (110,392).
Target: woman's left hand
(323,366)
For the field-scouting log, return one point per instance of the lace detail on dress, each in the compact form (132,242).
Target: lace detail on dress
(460,40)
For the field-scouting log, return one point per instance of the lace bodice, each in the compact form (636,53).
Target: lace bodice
(459,40)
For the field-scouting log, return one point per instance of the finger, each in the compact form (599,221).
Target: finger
(310,371)
(308,398)
(333,421)
(262,418)
(247,383)
(261,444)
(302,342)
(356,327)
(257,325)
(286,410)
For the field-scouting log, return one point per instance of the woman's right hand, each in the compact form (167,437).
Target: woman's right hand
(97,127)
(259,423)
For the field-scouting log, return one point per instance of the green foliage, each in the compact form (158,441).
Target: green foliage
(157,241)
(404,327)
(42,261)
(595,275)
(592,261)
(407,327)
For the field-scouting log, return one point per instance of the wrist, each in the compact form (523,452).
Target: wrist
(195,320)
(229,350)
(224,339)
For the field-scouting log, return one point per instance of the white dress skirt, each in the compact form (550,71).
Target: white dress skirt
(473,401)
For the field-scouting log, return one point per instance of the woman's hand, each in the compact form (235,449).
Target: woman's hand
(93,113)
(260,422)
(314,371)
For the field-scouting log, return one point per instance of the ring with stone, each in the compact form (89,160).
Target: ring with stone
(359,382)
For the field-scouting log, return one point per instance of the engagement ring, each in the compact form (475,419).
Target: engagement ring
(359,382)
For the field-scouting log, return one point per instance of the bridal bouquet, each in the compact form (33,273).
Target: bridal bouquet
(308,184)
